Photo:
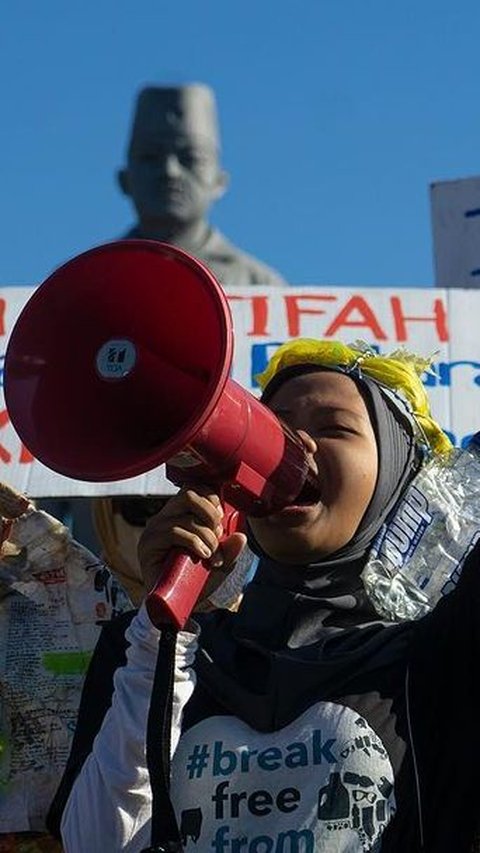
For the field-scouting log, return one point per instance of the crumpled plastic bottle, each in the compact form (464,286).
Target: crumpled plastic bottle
(418,554)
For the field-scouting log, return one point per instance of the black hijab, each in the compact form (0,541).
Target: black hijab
(305,624)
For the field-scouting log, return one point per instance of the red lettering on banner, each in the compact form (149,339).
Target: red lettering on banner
(367,319)
(259,306)
(439,317)
(5,456)
(295,311)
(25,457)
(3,306)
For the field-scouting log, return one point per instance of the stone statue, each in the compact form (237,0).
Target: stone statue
(173,176)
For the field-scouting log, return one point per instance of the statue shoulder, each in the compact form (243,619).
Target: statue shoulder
(234,267)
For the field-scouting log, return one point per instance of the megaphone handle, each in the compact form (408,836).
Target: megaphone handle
(176,592)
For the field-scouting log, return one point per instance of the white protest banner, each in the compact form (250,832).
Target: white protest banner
(444,322)
(455,214)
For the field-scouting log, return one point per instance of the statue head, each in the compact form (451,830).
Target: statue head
(173,171)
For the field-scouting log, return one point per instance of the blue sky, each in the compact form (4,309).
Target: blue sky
(336,116)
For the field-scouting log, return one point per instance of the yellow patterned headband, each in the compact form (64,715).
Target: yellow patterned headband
(400,372)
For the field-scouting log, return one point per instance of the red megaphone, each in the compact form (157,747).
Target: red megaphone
(118,363)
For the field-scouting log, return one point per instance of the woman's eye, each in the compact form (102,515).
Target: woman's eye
(333,429)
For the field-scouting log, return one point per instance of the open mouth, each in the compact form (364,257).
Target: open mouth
(297,511)
(310,493)
(309,497)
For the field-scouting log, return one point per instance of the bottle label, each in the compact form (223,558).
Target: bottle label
(398,540)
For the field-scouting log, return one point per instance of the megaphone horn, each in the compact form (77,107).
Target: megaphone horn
(119,362)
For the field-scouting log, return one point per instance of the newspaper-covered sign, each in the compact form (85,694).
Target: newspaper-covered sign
(54,597)
(455,212)
(427,320)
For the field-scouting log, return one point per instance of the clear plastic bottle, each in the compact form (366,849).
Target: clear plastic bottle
(418,554)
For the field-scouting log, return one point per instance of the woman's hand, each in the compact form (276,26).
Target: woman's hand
(192,521)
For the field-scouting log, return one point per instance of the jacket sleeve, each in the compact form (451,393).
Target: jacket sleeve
(443,696)
(110,803)
(110,653)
